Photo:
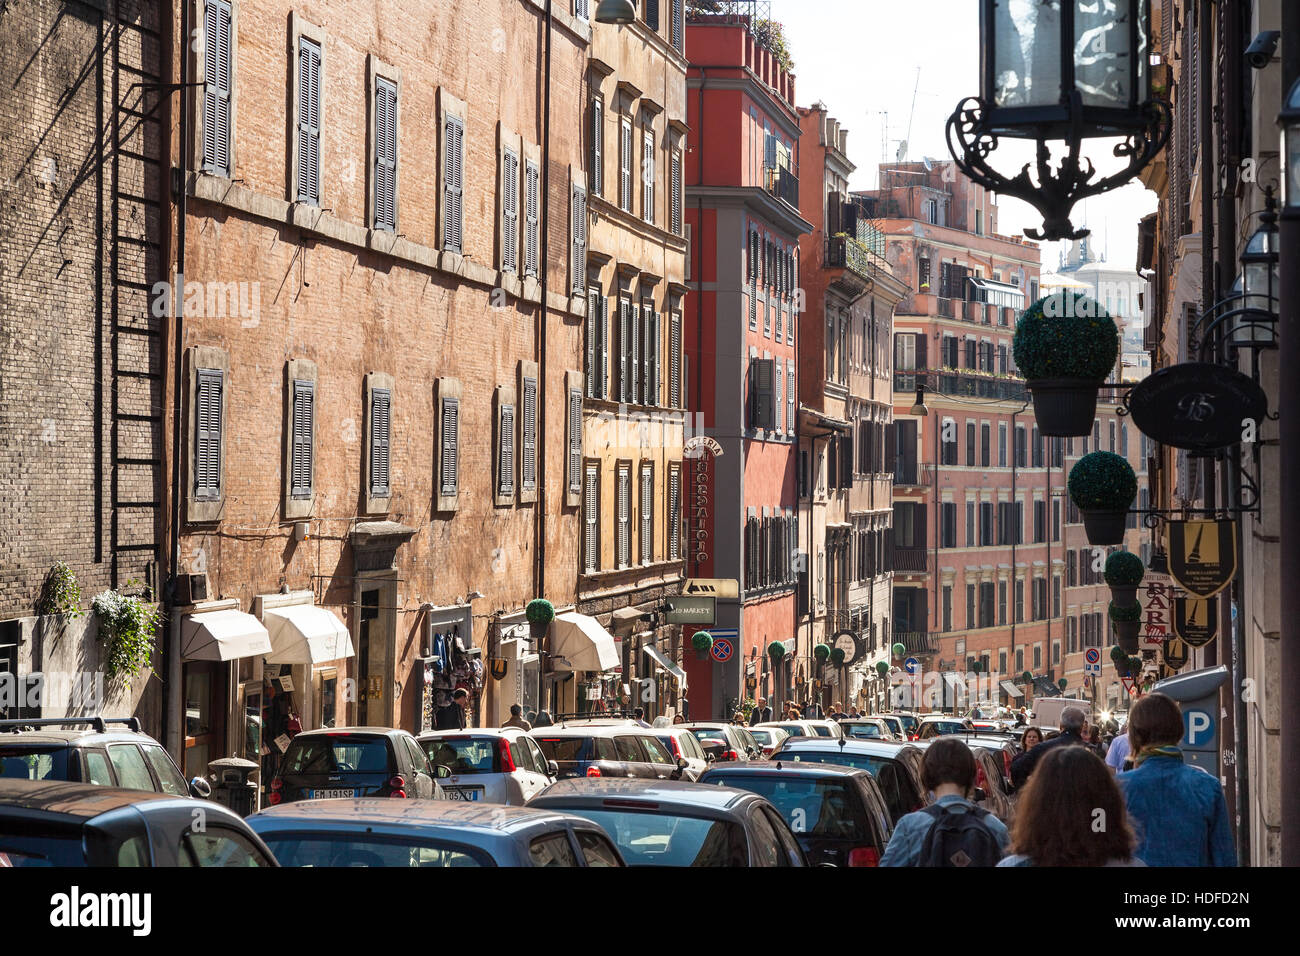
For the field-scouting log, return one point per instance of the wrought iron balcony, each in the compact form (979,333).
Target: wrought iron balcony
(962,385)
(845,252)
(918,642)
(911,560)
(784,185)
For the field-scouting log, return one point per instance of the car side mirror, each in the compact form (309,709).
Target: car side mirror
(201,788)
(552,768)
(682,763)
(441,771)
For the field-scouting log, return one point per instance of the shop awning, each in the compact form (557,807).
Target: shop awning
(1011,689)
(658,657)
(225,635)
(582,642)
(306,634)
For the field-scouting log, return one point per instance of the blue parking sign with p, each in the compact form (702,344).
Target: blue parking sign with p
(1198,727)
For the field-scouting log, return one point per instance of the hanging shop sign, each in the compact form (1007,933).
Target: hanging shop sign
(1198,406)
(698,445)
(699,497)
(1196,620)
(713,587)
(497,668)
(691,610)
(1175,652)
(1156,595)
(1202,555)
(850,644)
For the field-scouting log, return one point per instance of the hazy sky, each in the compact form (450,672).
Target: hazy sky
(860,57)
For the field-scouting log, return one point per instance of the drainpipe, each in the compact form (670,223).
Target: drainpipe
(539,335)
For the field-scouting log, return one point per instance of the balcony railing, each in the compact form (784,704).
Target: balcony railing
(784,185)
(963,386)
(918,642)
(845,252)
(911,560)
(945,307)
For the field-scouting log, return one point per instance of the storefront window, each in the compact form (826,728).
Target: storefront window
(327,699)
(526,695)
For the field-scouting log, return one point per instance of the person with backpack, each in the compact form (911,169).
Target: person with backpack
(952,831)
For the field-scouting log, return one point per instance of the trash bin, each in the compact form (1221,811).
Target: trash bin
(231,785)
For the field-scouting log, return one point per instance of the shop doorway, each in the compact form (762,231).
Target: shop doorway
(205,712)
(370,661)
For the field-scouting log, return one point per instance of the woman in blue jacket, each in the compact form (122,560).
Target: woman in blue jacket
(1178,811)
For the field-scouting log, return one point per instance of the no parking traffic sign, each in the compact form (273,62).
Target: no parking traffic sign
(721,650)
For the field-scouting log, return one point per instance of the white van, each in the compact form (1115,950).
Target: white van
(1047,711)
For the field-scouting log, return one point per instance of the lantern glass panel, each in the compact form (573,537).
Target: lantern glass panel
(1026,53)
(1291,158)
(1103,53)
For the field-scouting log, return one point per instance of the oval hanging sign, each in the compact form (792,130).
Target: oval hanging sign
(848,642)
(1198,406)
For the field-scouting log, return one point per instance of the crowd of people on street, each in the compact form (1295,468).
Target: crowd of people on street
(1134,804)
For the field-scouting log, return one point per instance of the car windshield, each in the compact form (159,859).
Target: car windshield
(344,753)
(794,730)
(823,730)
(660,838)
(464,755)
(820,808)
(711,733)
(33,763)
(355,849)
(762,736)
(561,749)
(911,723)
(843,758)
(864,730)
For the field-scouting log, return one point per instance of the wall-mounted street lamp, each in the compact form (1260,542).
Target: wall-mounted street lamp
(620,12)
(1259,275)
(919,408)
(1070,71)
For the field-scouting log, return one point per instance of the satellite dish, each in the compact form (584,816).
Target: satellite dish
(929,163)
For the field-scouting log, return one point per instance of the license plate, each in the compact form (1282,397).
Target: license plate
(464,793)
(330,794)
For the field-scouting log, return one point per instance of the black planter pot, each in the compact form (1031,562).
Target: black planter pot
(1123,594)
(1105,527)
(1064,407)
(1126,635)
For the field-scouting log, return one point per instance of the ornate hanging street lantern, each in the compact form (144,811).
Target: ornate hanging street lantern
(1259,276)
(1060,70)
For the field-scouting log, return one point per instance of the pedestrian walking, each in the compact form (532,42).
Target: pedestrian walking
(1178,811)
(517,718)
(1031,738)
(952,831)
(1071,814)
(543,719)
(761,713)
(837,712)
(1117,756)
(452,717)
(1073,722)
(638,715)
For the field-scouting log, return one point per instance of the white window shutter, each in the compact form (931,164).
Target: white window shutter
(575,441)
(506,451)
(528,466)
(510,212)
(591,518)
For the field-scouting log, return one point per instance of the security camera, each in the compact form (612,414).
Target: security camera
(1260,52)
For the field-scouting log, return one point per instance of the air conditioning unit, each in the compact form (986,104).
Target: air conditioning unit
(191,588)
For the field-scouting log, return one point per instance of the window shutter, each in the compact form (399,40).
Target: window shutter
(217,26)
(453,184)
(753,304)
(647,513)
(675,360)
(593,350)
(648,175)
(676,28)
(528,468)
(780,397)
(790,396)
(624,350)
(308,121)
(579,227)
(531,203)
(634,368)
(597,171)
(510,212)
(761,389)
(506,451)
(652,14)
(450,446)
(674,529)
(769,151)
(604,348)
(625,166)
(575,441)
(207,444)
(385,155)
(304,401)
(623,516)
(650,365)
(380,410)
(675,189)
(591,518)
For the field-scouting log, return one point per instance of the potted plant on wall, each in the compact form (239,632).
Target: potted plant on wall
(1127,621)
(837,656)
(776,651)
(1065,345)
(1102,485)
(702,641)
(1124,572)
(540,613)
(822,652)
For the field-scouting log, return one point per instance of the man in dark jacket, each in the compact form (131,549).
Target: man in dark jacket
(452,717)
(760,714)
(1073,720)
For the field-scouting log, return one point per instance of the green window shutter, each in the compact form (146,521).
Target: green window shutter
(207,440)
(303,450)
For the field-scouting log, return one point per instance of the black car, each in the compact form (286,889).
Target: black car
(354,762)
(890,763)
(92,753)
(674,823)
(739,745)
(836,813)
(615,749)
(48,823)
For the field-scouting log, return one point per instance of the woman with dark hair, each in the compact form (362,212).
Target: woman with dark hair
(1178,811)
(1030,739)
(1071,813)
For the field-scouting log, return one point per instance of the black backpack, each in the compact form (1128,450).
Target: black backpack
(959,837)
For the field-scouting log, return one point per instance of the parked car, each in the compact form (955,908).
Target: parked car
(92,754)
(353,762)
(675,823)
(600,750)
(895,724)
(768,737)
(990,789)
(422,833)
(792,728)
(894,765)
(939,725)
(684,745)
(869,727)
(836,813)
(911,722)
(60,823)
(489,766)
(825,728)
(740,745)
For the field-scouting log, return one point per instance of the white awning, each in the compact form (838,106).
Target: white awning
(658,657)
(306,634)
(1011,689)
(582,642)
(222,636)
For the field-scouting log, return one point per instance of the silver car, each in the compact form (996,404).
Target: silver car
(406,833)
(489,766)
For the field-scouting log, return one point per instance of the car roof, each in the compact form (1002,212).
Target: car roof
(361,811)
(866,746)
(473,732)
(72,799)
(785,768)
(593,791)
(65,738)
(587,730)
(338,731)
(710,725)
